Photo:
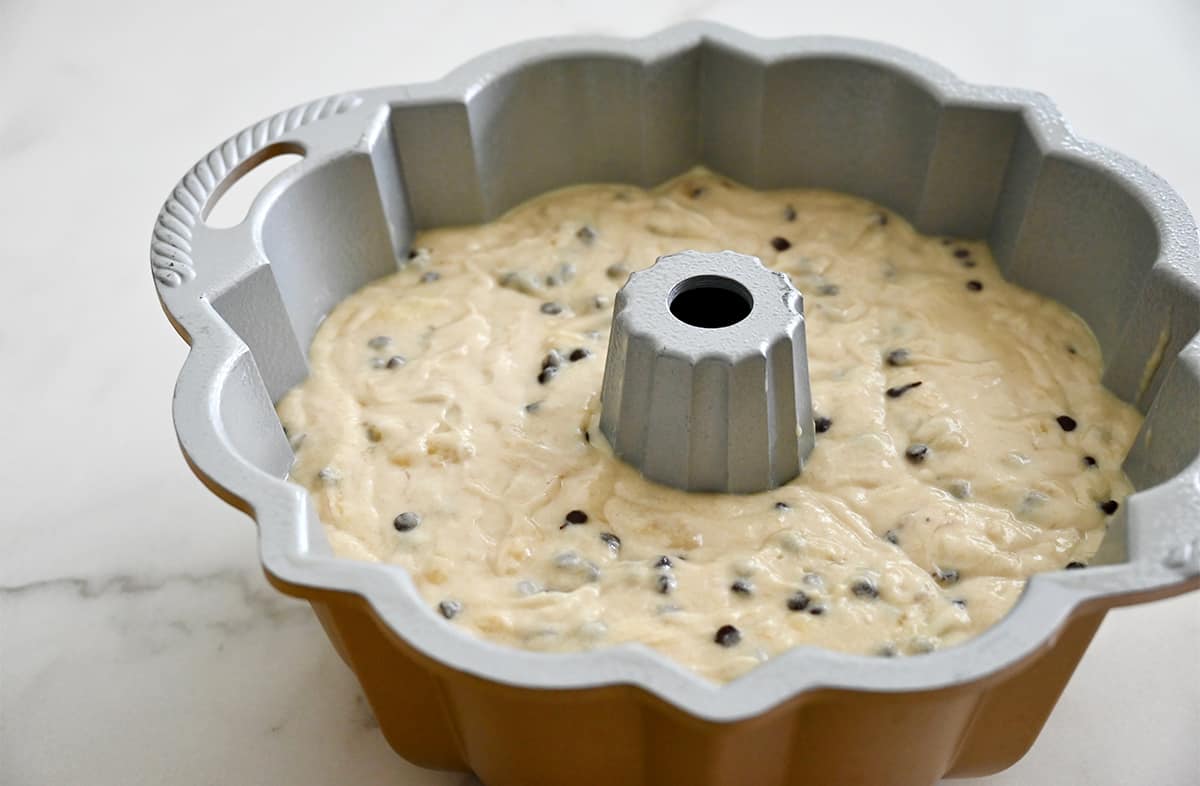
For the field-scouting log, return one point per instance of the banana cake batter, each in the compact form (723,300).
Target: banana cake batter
(450,426)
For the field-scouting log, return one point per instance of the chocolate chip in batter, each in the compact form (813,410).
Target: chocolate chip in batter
(665,583)
(798,601)
(945,576)
(881,218)
(662,562)
(373,432)
(1089,461)
(741,587)
(959,602)
(547,374)
(616,271)
(586,234)
(574,517)
(611,540)
(959,489)
(697,192)
(789,213)
(533,407)
(578,354)
(553,359)
(1076,565)
(816,611)
(782,506)
(551,308)
(962,253)
(898,357)
(886,651)
(974,286)
(1072,350)
(396,361)
(587,436)
(917,452)
(430,276)
(864,588)
(728,636)
(450,608)
(1066,422)
(822,424)
(900,390)
(407,521)
(1109,507)
(780,243)
(829,289)
(379,342)
(892,537)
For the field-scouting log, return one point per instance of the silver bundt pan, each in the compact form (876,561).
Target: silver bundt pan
(1064,217)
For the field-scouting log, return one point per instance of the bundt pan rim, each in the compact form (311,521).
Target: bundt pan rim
(223,383)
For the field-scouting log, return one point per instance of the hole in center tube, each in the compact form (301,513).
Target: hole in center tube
(231,203)
(710,302)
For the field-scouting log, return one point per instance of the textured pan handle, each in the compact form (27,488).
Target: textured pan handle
(181,218)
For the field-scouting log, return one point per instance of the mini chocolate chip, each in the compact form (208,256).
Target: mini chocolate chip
(578,354)
(898,357)
(974,286)
(551,308)
(587,436)
(547,374)
(1072,350)
(413,253)
(816,611)
(962,253)
(379,342)
(728,636)
(891,537)
(1066,422)
(406,521)
(900,390)
(429,276)
(611,540)
(663,562)
(533,407)
(697,192)
(740,587)
(864,588)
(959,602)
(780,243)
(782,506)
(665,583)
(1089,461)
(616,270)
(373,432)
(945,577)
(789,213)
(586,234)
(916,453)
(449,608)
(822,424)
(886,651)
(829,289)
(881,218)
(967,262)
(1076,565)
(553,359)
(575,517)
(396,361)
(1109,507)
(798,601)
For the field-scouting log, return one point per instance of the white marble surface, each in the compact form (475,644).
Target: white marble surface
(138,642)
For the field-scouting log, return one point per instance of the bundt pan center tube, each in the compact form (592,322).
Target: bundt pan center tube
(706,382)
(1063,217)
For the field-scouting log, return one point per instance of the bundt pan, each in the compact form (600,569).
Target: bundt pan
(1064,217)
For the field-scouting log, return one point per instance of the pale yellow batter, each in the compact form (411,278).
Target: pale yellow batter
(449,426)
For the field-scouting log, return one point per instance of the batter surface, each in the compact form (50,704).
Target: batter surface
(450,426)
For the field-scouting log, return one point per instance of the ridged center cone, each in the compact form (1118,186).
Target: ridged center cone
(706,385)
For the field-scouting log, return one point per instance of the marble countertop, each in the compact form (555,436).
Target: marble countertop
(139,644)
